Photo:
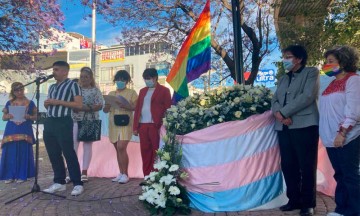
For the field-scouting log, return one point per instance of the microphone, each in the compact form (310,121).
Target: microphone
(45,78)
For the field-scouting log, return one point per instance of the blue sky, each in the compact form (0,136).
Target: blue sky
(77,20)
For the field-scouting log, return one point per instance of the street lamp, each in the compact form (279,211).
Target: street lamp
(93,38)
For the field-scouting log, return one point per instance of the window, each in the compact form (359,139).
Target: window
(105,74)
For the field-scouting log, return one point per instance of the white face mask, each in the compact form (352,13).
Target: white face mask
(288,64)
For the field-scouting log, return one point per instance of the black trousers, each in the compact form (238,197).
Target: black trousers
(58,138)
(298,150)
(346,164)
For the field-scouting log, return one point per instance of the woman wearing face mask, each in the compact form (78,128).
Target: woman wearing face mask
(150,109)
(339,106)
(121,135)
(297,119)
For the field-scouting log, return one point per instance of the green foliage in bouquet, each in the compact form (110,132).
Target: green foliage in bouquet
(221,105)
(161,192)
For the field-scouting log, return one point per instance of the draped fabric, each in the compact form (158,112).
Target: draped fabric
(233,166)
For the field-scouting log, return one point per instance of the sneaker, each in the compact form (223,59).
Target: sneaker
(116,179)
(78,189)
(55,187)
(123,179)
(84,178)
(334,214)
(20,181)
(8,181)
(67,180)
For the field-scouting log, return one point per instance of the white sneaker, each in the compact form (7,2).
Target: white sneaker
(334,214)
(55,187)
(117,178)
(123,179)
(78,189)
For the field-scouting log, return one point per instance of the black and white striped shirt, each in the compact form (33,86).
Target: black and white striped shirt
(65,91)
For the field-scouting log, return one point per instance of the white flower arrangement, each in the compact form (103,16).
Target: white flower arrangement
(221,105)
(161,192)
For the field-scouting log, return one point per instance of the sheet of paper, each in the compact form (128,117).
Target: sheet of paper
(114,101)
(18,112)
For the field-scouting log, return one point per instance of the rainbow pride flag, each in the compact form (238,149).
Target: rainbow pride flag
(194,56)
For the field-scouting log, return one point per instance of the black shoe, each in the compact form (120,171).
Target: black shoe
(289,207)
(307,211)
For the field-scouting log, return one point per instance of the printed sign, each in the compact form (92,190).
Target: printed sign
(113,55)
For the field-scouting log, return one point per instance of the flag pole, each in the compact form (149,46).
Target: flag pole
(238,55)
(93,38)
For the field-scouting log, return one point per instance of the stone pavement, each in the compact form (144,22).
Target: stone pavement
(101,198)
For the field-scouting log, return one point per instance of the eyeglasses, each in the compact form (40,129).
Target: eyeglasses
(19,90)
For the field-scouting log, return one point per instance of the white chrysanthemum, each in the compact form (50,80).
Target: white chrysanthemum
(253,108)
(265,103)
(174,167)
(192,126)
(173,190)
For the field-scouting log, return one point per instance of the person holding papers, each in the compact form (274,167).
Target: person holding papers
(120,105)
(17,160)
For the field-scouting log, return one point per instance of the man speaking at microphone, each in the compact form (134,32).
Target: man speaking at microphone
(63,96)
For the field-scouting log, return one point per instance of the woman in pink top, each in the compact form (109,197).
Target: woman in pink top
(339,126)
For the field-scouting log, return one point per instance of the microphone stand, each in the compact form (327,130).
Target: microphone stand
(36,187)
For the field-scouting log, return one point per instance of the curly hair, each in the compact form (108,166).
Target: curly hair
(347,56)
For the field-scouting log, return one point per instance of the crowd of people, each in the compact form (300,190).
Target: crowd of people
(302,117)
(69,103)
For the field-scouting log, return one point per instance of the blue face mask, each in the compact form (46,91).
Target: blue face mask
(149,83)
(288,65)
(120,84)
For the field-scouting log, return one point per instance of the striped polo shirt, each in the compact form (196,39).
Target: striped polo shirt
(65,91)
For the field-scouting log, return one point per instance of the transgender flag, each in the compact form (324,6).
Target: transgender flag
(233,166)
(194,56)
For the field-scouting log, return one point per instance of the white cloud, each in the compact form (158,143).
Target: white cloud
(81,25)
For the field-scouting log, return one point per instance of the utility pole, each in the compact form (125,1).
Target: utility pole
(238,56)
(93,38)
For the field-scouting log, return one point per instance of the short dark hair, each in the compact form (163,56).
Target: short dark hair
(298,51)
(150,73)
(122,75)
(347,56)
(62,64)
